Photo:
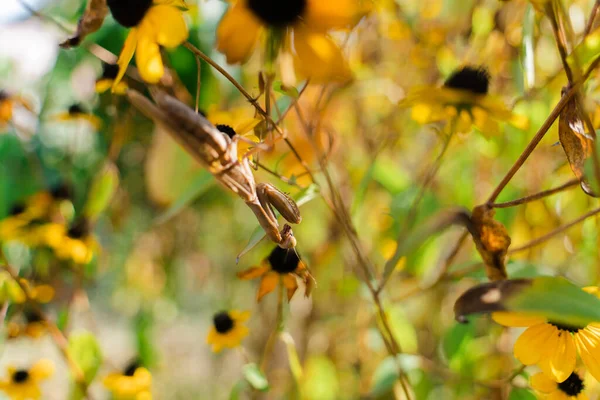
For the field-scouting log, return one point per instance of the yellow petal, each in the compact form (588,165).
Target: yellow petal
(319,58)
(42,369)
(530,346)
(253,272)
(324,15)
(239,316)
(484,122)
(542,383)
(102,85)
(561,360)
(148,58)
(514,319)
(246,126)
(126,55)
(267,284)
(289,281)
(238,33)
(588,346)
(168,25)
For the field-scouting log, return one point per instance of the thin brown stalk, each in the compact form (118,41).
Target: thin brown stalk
(279,176)
(275,332)
(553,233)
(527,199)
(593,14)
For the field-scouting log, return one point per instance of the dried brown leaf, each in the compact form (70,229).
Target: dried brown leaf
(487,297)
(90,22)
(492,240)
(577,144)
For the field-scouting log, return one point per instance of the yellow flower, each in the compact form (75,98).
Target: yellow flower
(76,244)
(106,81)
(463,100)
(135,383)
(553,346)
(24,384)
(236,122)
(76,112)
(228,329)
(153,24)
(282,266)
(299,26)
(33,326)
(570,389)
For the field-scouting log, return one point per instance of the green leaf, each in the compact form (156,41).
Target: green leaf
(255,377)
(384,378)
(320,379)
(103,188)
(237,390)
(521,394)
(199,185)
(586,52)
(86,353)
(456,336)
(558,300)
(288,91)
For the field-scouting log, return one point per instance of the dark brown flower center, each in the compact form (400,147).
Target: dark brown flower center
(20,376)
(17,209)
(278,13)
(572,386)
(32,316)
(223,322)
(3,95)
(61,192)
(226,129)
(76,109)
(565,327)
(131,368)
(129,13)
(109,71)
(283,261)
(473,79)
(80,229)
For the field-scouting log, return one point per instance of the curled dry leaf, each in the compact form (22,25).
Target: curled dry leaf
(577,144)
(90,22)
(492,240)
(487,297)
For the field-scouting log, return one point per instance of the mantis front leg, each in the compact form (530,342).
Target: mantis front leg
(268,196)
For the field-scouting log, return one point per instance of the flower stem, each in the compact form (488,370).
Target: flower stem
(527,199)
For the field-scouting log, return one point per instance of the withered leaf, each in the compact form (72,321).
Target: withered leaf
(488,297)
(577,144)
(90,22)
(492,240)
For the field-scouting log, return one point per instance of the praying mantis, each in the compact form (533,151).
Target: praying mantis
(218,153)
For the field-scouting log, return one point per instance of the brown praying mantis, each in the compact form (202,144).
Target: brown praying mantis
(219,154)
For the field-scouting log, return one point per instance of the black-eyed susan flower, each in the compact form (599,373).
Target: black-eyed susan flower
(464,101)
(75,244)
(134,383)
(153,24)
(570,389)
(554,346)
(77,112)
(107,80)
(297,27)
(282,266)
(228,329)
(31,324)
(24,384)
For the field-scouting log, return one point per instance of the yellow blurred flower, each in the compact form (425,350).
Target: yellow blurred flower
(554,346)
(135,383)
(76,244)
(281,266)
(570,389)
(464,100)
(107,80)
(153,24)
(299,27)
(24,384)
(33,325)
(77,112)
(228,329)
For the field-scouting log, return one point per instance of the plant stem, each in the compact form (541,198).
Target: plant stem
(527,199)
